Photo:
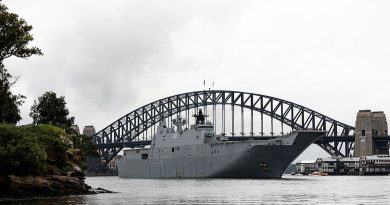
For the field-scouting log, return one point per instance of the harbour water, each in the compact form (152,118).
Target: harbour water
(288,190)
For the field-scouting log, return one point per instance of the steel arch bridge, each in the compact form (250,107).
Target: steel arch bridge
(136,128)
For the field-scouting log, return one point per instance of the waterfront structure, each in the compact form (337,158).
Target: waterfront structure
(368,126)
(89,130)
(375,165)
(338,165)
(327,165)
(366,165)
(350,166)
(307,167)
(199,152)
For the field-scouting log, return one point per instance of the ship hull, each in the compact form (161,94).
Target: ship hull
(242,159)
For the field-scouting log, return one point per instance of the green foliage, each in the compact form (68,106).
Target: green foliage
(37,150)
(87,146)
(55,143)
(14,38)
(20,152)
(9,103)
(84,147)
(51,110)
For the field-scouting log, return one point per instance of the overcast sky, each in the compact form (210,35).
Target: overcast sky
(109,57)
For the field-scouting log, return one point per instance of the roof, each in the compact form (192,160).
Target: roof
(349,159)
(328,159)
(385,157)
(308,162)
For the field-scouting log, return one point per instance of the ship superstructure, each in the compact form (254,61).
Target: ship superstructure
(199,152)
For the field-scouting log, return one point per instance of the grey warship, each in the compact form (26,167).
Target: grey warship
(198,152)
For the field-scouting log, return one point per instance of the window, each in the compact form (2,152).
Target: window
(363,132)
(144,156)
(173,149)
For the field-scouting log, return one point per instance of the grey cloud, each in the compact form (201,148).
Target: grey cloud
(109,57)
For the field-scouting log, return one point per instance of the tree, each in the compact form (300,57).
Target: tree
(9,103)
(14,38)
(51,110)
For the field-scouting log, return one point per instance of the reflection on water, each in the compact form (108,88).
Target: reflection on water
(288,190)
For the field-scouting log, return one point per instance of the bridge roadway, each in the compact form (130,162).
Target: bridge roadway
(321,140)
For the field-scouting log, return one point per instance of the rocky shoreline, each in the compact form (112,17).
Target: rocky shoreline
(12,186)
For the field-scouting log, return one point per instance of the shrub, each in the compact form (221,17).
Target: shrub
(20,152)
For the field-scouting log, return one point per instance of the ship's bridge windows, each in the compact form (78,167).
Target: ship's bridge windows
(144,156)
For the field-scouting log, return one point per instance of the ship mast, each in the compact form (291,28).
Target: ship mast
(200,118)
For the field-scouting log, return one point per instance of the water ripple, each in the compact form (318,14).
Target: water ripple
(288,190)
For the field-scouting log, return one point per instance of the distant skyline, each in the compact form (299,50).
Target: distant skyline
(110,57)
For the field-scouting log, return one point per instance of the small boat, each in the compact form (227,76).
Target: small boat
(319,174)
